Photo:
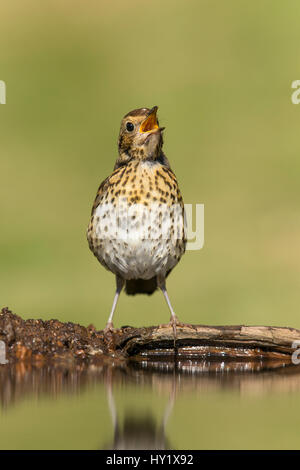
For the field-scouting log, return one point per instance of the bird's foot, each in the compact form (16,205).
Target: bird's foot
(109,338)
(109,328)
(182,325)
(175,322)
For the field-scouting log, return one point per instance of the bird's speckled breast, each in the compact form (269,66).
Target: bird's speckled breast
(137,225)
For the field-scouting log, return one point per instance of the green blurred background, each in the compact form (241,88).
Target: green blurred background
(221,74)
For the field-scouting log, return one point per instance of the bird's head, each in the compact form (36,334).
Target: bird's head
(140,135)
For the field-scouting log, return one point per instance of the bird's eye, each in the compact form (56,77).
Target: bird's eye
(129,126)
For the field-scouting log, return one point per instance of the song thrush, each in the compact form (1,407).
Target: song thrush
(137,226)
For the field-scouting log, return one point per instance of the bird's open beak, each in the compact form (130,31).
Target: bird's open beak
(150,124)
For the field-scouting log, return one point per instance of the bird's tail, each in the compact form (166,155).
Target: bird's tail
(141,286)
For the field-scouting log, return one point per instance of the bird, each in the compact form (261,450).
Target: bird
(137,228)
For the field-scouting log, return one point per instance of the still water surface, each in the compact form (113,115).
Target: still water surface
(206,405)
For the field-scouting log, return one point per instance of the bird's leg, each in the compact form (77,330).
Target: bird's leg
(161,282)
(111,401)
(173,320)
(120,284)
(170,404)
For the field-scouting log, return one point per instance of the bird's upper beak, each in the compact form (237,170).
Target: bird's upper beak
(150,124)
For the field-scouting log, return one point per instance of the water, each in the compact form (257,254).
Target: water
(150,405)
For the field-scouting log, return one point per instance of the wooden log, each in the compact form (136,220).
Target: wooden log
(38,340)
(237,341)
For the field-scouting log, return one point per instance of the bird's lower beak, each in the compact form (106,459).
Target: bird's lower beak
(150,124)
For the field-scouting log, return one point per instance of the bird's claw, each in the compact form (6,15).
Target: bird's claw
(109,328)
(174,322)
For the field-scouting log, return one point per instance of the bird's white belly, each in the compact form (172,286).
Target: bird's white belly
(137,242)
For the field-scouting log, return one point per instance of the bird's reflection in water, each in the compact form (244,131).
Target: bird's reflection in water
(138,432)
(25,381)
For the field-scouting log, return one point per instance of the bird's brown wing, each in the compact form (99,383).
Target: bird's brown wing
(101,190)
(101,193)
(112,179)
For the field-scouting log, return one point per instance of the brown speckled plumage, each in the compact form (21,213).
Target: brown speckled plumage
(143,185)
